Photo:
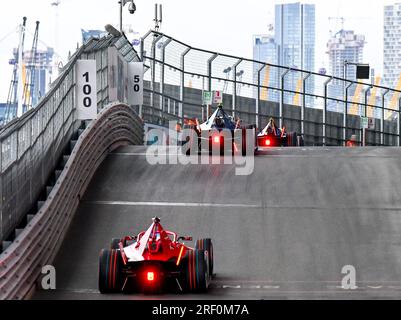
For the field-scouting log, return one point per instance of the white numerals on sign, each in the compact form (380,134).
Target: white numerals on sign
(135,85)
(86,90)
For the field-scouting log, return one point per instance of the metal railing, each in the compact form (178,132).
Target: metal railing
(326,110)
(31,146)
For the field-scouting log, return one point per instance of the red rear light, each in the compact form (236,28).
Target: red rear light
(151,276)
(268,143)
(216,139)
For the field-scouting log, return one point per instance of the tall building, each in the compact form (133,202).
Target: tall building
(345,46)
(265,50)
(392,45)
(295,36)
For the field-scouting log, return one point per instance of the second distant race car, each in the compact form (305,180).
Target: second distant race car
(223,133)
(272,136)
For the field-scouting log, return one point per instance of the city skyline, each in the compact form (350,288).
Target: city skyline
(392,46)
(291,43)
(221,32)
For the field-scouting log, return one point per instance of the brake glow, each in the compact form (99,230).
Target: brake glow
(151,276)
(268,142)
(180,256)
(216,139)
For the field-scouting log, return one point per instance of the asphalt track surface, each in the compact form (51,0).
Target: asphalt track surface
(284,232)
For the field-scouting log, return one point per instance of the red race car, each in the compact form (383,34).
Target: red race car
(271,136)
(155,261)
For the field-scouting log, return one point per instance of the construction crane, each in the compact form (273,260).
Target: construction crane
(16,87)
(342,19)
(31,71)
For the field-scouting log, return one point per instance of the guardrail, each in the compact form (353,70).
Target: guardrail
(21,263)
(256,90)
(32,145)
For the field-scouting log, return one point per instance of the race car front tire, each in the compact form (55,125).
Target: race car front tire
(110,271)
(197,275)
(207,245)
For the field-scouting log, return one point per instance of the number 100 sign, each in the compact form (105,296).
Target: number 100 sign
(86,90)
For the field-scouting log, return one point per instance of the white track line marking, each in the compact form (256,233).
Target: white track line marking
(172,204)
(226,205)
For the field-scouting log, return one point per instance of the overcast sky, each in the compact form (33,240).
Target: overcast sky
(219,25)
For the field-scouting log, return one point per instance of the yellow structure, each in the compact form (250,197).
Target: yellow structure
(265,92)
(297,96)
(354,110)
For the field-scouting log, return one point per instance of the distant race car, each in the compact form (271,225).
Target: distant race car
(271,136)
(155,261)
(218,122)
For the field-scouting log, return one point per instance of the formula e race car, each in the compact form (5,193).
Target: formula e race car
(220,132)
(156,260)
(271,136)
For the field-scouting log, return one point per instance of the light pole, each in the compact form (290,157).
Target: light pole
(131,9)
(239,75)
(227,72)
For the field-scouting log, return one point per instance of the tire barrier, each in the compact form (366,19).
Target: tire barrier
(37,245)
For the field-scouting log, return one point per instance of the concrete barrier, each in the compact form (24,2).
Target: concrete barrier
(21,263)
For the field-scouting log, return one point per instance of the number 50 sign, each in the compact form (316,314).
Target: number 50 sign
(135,83)
(86,89)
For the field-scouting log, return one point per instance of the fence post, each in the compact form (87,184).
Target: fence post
(258,100)
(303,109)
(234,100)
(162,73)
(345,118)
(209,70)
(182,93)
(153,71)
(281,106)
(365,112)
(209,76)
(325,110)
(382,116)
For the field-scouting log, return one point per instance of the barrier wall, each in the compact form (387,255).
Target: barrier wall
(21,263)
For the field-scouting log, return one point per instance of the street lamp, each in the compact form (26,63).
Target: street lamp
(362,70)
(239,75)
(227,72)
(131,9)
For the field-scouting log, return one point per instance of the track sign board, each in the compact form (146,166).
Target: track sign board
(371,124)
(135,83)
(364,123)
(207,98)
(86,89)
(363,71)
(218,97)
